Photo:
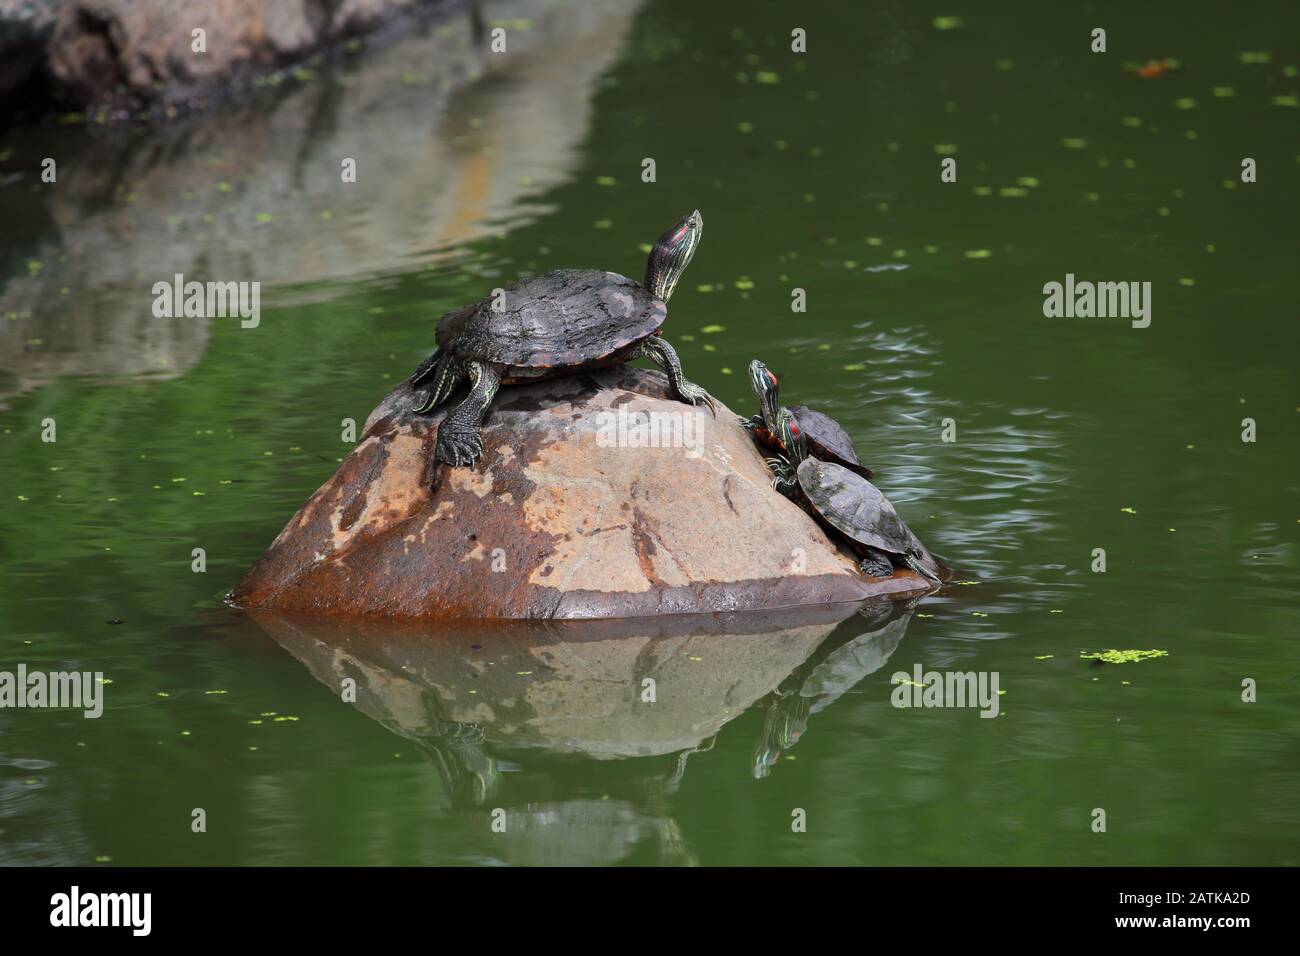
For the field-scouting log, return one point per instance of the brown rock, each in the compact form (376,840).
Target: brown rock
(574,529)
(145,46)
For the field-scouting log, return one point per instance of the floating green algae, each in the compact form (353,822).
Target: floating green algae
(1121,657)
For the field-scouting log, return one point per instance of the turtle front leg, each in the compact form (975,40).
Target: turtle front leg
(783,475)
(459,439)
(662,354)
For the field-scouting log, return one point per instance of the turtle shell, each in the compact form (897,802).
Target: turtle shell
(561,319)
(827,440)
(855,507)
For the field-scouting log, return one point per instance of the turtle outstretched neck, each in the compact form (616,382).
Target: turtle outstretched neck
(671,255)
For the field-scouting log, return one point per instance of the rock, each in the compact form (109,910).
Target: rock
(141,51)
(25,27)
(553,522)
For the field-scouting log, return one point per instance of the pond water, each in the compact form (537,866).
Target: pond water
(812,171)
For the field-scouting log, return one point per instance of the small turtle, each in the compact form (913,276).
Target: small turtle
(823,435)
(850,505)
(559,323)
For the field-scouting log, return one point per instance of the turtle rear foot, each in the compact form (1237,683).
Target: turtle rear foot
(425,369)
(447,373)
(876,565)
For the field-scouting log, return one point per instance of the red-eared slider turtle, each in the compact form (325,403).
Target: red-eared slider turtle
(555,324)
(850,505)
(822,434)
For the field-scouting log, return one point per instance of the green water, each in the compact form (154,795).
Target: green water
(1071,435)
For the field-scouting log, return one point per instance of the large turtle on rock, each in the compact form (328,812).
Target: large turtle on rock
(849,505)
(555,324)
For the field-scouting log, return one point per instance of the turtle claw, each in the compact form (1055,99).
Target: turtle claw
(424,403)
(458,448)
(694,394)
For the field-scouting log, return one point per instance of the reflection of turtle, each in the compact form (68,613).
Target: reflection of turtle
(472,774)
(825,438)
(850,505)
(785,719)
(555,324)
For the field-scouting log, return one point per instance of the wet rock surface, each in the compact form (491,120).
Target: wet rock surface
(560,519)
(143,51)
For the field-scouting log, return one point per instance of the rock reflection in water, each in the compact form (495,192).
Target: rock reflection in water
(508,713)
(455,144)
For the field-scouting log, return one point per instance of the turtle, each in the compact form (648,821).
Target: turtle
(850,505)
(560,323)
(825,437)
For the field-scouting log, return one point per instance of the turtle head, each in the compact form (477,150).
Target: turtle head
(671,255)
(765,386)
(790,437)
